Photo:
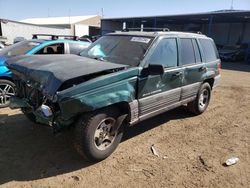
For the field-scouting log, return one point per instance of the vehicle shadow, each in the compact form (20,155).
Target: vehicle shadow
(30,152)
(140,128)
(236,66)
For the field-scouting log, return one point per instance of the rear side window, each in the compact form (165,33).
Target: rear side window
(187,52)
(210,53)
(76,48)
(57,48)
(165,53)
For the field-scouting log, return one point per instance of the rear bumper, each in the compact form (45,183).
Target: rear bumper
(216,81)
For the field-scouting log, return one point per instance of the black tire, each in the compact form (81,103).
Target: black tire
(4,98)
(86,143)
(29,115)
(197,106)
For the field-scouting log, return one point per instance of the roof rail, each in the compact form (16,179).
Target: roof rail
(56,37)
(146,29)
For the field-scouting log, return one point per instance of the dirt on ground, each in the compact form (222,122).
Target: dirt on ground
(192,149)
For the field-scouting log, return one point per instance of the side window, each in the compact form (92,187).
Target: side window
(210,52)
(52,49)
(187,52)
(76,48)
(165,53)
(196,51)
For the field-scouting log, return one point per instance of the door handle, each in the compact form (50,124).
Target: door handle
(202,69)
(177,74)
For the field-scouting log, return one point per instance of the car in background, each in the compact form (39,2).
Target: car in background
(1,46)
(18,39)
(233,53)
(33,47)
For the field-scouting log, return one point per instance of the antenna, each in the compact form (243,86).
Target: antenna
(232,3)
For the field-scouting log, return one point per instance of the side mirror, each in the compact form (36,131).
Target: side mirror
(155,69)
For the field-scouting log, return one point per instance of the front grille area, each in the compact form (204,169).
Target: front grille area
(34,96)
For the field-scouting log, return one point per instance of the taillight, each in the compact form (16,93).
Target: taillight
(219,67)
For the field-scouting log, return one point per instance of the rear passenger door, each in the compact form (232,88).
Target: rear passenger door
(193,67)
(158,93)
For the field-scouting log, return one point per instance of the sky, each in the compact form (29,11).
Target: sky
(22,9)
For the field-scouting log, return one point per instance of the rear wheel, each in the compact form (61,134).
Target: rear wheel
(200,104)
(96,136)
(7,90)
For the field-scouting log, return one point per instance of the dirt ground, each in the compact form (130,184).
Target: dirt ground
(191,148)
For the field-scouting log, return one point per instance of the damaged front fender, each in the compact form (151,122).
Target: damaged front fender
(101,92)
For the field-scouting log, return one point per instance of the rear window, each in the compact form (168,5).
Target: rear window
(210,52)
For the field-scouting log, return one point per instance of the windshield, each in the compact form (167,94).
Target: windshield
(127,50)
(19,48)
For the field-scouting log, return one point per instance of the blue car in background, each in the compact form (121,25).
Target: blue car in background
(33,47)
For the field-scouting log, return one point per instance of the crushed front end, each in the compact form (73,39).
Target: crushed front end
(39,79)
(34,103)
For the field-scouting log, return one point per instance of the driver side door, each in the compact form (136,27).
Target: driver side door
(159,93)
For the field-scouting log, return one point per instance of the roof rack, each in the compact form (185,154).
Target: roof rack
(146,29)
(196,32)
(56,37)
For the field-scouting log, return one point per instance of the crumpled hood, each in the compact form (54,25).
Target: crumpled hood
(51,71)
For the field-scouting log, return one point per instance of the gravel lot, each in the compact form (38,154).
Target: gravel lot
(192,149)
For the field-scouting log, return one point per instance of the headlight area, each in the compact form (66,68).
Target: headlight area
(50,114)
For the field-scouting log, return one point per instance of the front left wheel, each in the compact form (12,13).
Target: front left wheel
(97,134)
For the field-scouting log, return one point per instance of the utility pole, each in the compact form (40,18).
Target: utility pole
(69,15)
(102,14)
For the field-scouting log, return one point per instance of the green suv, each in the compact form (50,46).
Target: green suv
(121,79)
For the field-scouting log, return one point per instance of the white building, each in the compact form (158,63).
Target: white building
(79,25)
(9,30)
(74,25)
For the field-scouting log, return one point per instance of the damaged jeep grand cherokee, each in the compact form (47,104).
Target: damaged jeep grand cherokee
(121,79)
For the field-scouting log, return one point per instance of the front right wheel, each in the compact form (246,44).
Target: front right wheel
(96,134)
(200,104)
(7,90)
